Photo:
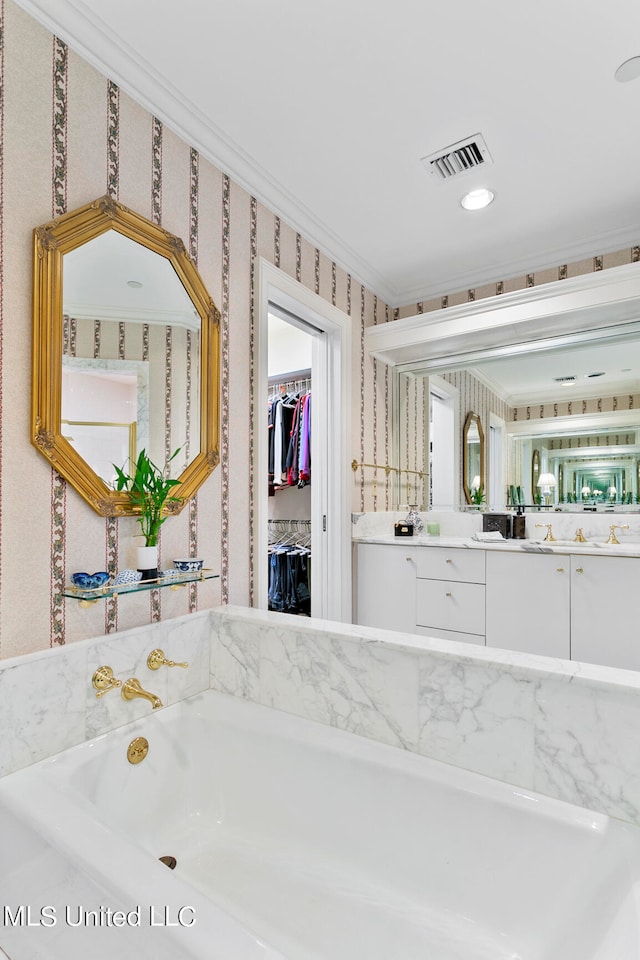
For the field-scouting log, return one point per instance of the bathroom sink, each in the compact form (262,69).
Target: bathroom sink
(578,545)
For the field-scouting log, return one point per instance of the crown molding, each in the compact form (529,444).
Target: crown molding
(547,259)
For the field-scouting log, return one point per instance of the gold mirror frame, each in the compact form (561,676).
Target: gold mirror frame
(51,242)
(535,474)
(471,418)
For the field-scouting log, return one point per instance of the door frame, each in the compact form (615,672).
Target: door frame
(330,499)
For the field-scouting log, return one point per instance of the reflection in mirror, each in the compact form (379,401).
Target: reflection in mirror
(125,353)
(535,476)
(411,442)
(564,350)
(473,459)
(131,355)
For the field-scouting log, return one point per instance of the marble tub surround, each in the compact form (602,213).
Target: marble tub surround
(47,703)
(564,729)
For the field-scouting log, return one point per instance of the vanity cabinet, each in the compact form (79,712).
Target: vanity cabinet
(556,605)
(450,593)
(528,603)
(385,594)
(603,624)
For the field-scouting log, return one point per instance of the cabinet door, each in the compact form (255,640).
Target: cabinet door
(603,622)
(386,586)
(528,603)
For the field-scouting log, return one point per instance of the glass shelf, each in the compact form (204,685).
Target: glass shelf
(87,597)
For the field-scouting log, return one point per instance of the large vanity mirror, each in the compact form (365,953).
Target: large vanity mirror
(537,349)
(125,354)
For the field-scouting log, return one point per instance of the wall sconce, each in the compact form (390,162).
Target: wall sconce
(612,493)
(475,483)
(546,483)
(586,491)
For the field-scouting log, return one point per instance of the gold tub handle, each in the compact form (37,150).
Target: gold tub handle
(157,659)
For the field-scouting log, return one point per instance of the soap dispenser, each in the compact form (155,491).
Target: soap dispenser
(518,526)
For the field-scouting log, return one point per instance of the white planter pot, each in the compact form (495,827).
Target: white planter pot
(147,562)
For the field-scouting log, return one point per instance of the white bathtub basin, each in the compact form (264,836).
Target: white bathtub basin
(297,840)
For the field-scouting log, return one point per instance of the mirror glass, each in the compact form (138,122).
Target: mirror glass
(570,351)
(131,357)
(126,353)
(473,459)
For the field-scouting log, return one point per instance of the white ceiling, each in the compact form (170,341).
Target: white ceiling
(530,378)
(323,111)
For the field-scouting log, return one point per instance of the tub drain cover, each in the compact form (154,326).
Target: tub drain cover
(168,862)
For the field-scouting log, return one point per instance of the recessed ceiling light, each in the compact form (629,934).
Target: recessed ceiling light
(134,284)
(628,70)
(477,199)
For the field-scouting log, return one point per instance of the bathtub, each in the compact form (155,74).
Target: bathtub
(296,840)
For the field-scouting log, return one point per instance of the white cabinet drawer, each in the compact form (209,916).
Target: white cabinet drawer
(437,632)
(442,563)
(450,605)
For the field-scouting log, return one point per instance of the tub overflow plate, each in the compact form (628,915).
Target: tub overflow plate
(137,750)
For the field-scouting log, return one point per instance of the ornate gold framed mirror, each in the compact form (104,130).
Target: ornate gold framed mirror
(125,354)
(472,458)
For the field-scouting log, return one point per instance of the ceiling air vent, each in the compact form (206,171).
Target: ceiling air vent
(458,158)
(564,381)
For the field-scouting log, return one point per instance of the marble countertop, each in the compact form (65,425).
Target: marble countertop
(630,548)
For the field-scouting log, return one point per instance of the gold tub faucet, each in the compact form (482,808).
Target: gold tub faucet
(132,688)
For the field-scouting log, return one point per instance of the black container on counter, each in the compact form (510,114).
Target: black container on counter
(497,521)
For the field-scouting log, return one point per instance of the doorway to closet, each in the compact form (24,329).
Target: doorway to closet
(328,333)
(292,457)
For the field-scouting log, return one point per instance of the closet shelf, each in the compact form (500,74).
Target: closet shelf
(88,597)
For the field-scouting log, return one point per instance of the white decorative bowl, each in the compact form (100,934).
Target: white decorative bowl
(128,576)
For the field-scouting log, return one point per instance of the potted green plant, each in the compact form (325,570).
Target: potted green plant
(150,489)
(477,495)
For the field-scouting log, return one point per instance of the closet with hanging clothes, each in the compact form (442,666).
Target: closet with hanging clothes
(290,566)
(289,464)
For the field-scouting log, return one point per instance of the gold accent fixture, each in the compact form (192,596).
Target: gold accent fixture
(137,750)
(549,537)
(612,531)
(132,688)
(560,569)
(51,242)
(103,680)
(580,537)
(387,468)
(157,659)
(579,569)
